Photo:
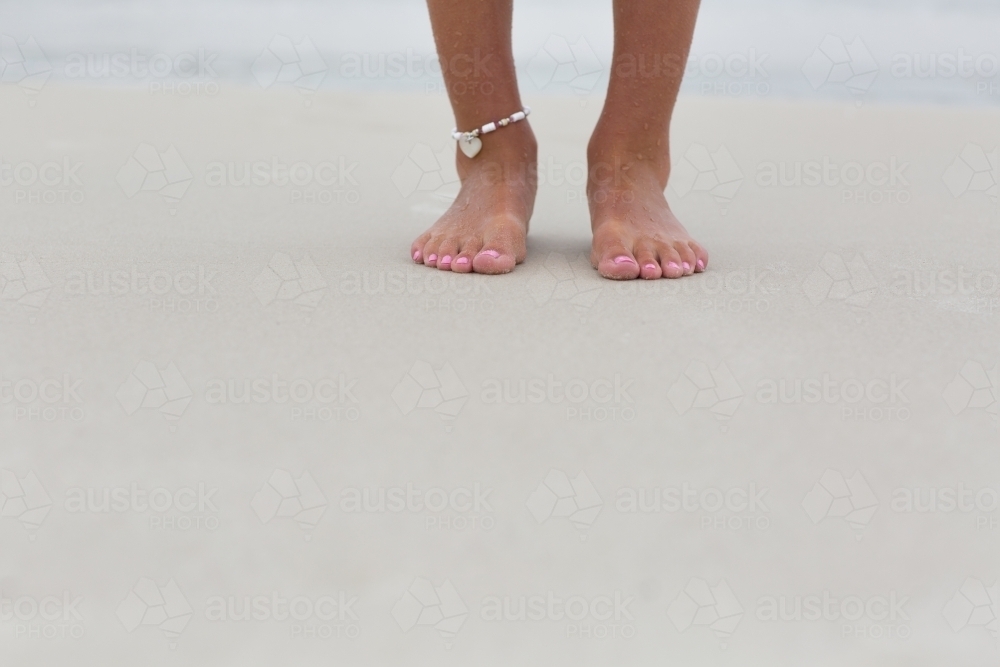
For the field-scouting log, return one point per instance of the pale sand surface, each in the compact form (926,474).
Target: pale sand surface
(766,310)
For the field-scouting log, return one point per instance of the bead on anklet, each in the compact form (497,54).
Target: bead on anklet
(471,144)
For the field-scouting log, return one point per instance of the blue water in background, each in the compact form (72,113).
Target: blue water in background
(561,46)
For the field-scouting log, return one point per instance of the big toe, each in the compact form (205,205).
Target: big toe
(493,261)
(618,264)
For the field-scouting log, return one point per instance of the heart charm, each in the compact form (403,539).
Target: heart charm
(471,146)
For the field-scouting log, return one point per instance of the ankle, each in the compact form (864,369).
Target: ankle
(508,158)
(514,143)
(621,155)
(612,172)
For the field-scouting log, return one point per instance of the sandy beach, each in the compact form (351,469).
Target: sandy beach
(210,318)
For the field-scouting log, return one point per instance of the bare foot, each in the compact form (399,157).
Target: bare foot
(635,233)
(485,229)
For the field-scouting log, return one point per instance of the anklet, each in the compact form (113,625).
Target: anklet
(471,144)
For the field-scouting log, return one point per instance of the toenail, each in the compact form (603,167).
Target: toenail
(445,260)
(416,255)
(650,266)
(687,267)
(432,258)
(701,265)
(462,260)
(672,265)
(492,253)
(621,259)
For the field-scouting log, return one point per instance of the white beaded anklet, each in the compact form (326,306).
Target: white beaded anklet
(471,144)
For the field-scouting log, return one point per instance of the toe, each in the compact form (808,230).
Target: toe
(670,261)
(618,263)
(417,248)
(649,268)
(502,249)
(688,259)
(491,260)
(430,251)
(446,254)
(701,256)
(463,262)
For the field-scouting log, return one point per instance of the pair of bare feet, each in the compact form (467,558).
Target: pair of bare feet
(635,234)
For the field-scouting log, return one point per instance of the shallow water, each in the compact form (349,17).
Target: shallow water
(929,51)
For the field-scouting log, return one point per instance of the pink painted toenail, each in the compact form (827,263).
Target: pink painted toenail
(650,266)
(445,260)
(432,258)
(416,255)
(701,265)
(462,260)
(622,259)
(491,253)
(672,265)
(687,267)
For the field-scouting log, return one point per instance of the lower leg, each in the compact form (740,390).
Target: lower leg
(485,229)
(635,233)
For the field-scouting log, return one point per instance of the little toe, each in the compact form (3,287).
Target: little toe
(701,256)
(417,248)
